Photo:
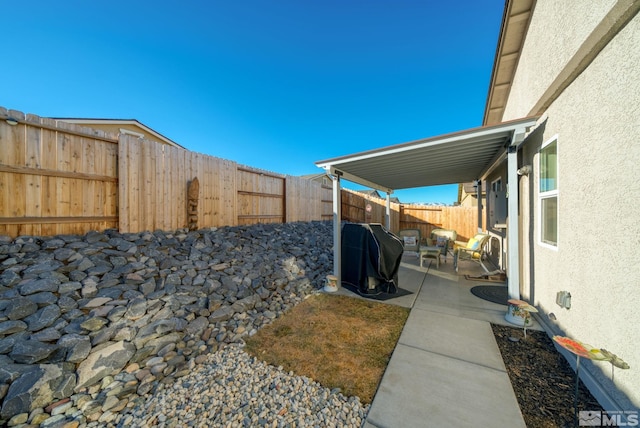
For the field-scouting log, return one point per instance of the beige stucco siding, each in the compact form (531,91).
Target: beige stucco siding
(555,34)
(597,119)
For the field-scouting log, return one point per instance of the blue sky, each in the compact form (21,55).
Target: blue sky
(273,84)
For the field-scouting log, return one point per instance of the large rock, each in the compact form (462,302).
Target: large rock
(44,298)
(46,266)
(38,285)
(155,329)
(160,342)
(197,326)
(37,387)
(108,360)
(48,334)
(31,351)
(44,317)
(246,304)
(10,327)
(9,278)
(20,308)
(94,323)
(221,314)
(136,308)
(76,347)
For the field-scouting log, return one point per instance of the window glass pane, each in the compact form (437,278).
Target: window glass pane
(549,167)
(549,220)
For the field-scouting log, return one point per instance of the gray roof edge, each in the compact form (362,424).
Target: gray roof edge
(509,125)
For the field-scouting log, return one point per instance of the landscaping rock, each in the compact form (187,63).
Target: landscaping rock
(30,351)
(36,387)
(78,313)
(20,308)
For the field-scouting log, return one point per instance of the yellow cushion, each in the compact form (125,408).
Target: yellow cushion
(472,244)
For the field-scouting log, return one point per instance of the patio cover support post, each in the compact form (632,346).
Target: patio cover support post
(513,263)
(479,197)
(387,212)
(513,243)
(337,238)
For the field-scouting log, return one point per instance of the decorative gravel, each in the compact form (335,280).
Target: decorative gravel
(233,389)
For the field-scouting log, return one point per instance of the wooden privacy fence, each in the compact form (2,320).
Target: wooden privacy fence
(153,186)
(359,208)
(56,178)
(464,220)
(59,178)
(153,190)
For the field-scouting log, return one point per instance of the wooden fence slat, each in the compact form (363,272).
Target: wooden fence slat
(33,148)
(123,194)
(5,202)
(147,183)
(134,184)
(204,202)
(160,187)
(49,141)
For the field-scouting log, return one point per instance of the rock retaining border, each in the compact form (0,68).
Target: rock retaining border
(88,323)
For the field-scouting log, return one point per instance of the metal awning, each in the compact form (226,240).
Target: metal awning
(451,158)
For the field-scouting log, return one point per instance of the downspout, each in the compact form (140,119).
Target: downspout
(337,222)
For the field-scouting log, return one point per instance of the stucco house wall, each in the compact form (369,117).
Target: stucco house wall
(597,121)
(556,32)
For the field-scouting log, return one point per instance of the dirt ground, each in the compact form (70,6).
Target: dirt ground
(542,379)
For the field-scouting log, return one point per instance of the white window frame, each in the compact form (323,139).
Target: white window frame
(548,194)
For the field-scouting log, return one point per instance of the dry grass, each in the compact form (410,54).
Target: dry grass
(341,342)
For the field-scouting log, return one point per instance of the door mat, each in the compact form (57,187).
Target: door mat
(492,293)
(496,276)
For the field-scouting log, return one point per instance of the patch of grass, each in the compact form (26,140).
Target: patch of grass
(341,342)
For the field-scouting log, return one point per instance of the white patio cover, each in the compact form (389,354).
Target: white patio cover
(451,158)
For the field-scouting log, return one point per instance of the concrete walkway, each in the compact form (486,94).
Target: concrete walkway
(446,370)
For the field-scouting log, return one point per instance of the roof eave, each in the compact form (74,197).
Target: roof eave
(515,23)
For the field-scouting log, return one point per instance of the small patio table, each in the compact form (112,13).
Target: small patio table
(432,252)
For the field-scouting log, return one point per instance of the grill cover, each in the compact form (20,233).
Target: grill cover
(371,258)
